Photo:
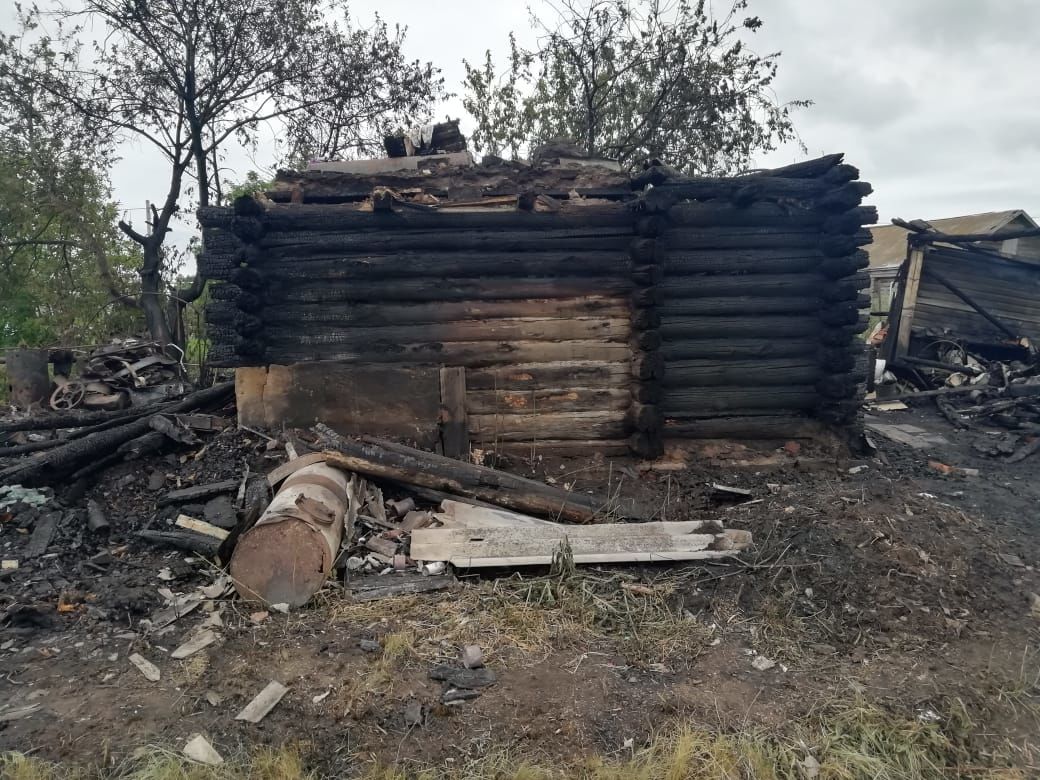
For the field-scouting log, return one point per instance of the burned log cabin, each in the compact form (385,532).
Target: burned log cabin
(564,304)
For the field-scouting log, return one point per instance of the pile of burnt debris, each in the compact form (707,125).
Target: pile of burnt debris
(370,517)
(994,391)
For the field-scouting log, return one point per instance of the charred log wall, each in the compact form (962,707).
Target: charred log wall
(762,298)
(534,306)
(702,307)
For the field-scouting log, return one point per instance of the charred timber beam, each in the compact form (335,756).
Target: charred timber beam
(475,353)
(766,285)
(678,327)
(372,458)
(723,347)
(547,329)
(707,401)
(747,427)
(390,314)
(799,370)
(332,218)
(286,246)
(406,265)
(440,289)
(766,238)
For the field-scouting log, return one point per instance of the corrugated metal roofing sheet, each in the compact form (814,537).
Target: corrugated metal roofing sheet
(889,245)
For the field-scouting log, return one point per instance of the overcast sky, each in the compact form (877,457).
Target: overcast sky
(936,101)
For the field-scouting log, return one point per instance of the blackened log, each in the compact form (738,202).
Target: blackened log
(377,314)
(707,401)
(646,250)
(467,353)
(683,327)
(440,289)
(33,446)
(799,370)
(512,329)
(341,218)
(750,261)
(371,458)
(645,417)
(289,245)
(188,541)
(747,427)
(765,238)
(59,462)
(737,305)
(408,265)
(699,349)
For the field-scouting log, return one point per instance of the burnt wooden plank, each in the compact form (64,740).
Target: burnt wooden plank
(513,329)
(441,289)
(454,428)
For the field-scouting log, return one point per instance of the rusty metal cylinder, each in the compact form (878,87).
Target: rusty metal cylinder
(288,554)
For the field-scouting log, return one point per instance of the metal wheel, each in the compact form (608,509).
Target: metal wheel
(68,396)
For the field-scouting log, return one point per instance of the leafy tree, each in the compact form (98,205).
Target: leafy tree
(633,79)
(64,266)
(190,78)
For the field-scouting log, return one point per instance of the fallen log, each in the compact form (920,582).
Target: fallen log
(188,541)
(286,556)
(405,465)
(197,492)
(58,462)
(33,446)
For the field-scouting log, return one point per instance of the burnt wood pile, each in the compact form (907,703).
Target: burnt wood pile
(579,310)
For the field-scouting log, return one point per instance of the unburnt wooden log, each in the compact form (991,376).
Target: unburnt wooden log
(546,400)
(59,462)
(406,466)
(488,428)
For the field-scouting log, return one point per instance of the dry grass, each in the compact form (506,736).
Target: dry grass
(849,743)
(534,616)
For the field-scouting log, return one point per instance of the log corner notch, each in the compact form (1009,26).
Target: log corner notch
(645,421)
(764,250)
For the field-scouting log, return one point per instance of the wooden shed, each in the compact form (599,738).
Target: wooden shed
(563,304)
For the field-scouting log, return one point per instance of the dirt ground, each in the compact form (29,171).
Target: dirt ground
(876,581)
